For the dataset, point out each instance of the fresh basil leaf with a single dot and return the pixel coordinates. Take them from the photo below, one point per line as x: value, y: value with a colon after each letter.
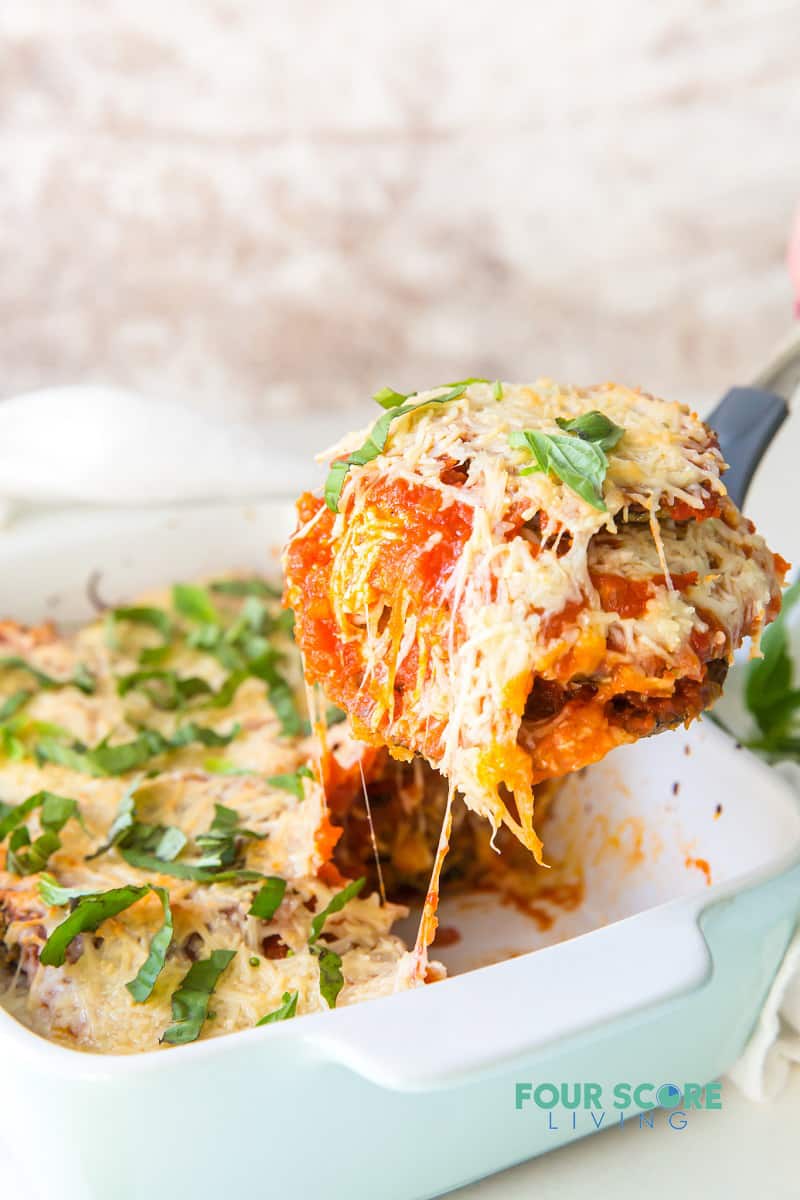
x: 331, y: 979
x: 497, y: 390
x: 194, y: 602
x: 128, y: 756
x: 185, y: 870
x: 190, y: 1001
x: 376, y: 443
x: 14, y: 703
x: 124, y: 819
x: 88, y: 914
x: 388, y: 398
x: 191, y: 732
x: 336, y: 904
x: 595, y: 427
x: 224, y: 766
x: 163, y: 841
x: 268, y: 898
x: 57, y: 896
x: 228, y: 690
x: 246, y: 587
x: 56, y: 811
x: 280, y: 695
x: 82, y: 678
x: 287, y: 1010
x: 16, y: 732
x: 26, y: 857
x: 155, y: 618
x: 165, y: 689
x: 14, y: 663
x: 580, y: 465
x: 141, y: 987
x: 17, y: 814
x: 292, y: 783
x: 219, y: 844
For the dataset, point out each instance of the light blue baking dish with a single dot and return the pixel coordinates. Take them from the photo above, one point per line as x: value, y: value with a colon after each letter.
x: 659, y: 980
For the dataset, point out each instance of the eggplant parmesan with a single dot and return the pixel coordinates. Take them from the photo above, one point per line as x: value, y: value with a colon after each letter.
x: 166, y: 847
x: 512, y: 580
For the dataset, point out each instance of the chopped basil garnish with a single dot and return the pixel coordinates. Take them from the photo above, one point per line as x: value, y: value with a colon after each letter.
x: 194, y: 602
x: 497, y: 390
x: 287, y: 1009
x: 331, y: 979
x: 219, y: 844
x: 292, y: 783
x: 376, y: 443
x: 88, y: 914
x: 124, y: 819
x: 26, y: 857
x: 163, y: 841
x: 141, y: 988
x: 57, y: 896
x: 268, y: 898
x: 155, y: 618
x: 246, y: 587
x: 190, y: 1002
x: 14, y: 703
x: 224, y: 766
x: 164, y: 689
x: 57, y: 806
x: 118, y: 760
x: 336, y: 904
x: 144, y: 861
x: 388, y: 398
x: 580, y: 462
x: 81, y: 679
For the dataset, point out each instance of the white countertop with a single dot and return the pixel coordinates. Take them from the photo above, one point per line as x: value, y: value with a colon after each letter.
x: 730, y: 1154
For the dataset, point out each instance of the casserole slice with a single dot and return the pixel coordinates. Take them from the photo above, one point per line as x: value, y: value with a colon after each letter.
x: 512, y: 580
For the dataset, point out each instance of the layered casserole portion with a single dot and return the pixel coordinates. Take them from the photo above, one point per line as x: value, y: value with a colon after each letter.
x: 512, y: 580
x: 166, y: 848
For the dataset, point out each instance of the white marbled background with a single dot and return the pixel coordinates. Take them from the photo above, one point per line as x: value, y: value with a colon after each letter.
x: 280, y: 207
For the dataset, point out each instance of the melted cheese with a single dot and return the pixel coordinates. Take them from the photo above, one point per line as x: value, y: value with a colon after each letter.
x: 85, y: 1003
x: 515, y: 600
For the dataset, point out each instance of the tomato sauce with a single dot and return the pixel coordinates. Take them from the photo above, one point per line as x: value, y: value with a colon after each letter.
x: 629, y: 597
x: 411, y: 568
x: 679, y: 510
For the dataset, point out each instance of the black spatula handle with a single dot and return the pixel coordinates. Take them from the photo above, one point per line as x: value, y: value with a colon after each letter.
x: 746, y: 420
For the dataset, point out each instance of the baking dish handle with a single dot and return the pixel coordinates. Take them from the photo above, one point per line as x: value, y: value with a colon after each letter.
x: 486, y: 1019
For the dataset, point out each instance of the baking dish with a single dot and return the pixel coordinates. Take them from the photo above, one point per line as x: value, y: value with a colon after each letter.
x: 657, y: 975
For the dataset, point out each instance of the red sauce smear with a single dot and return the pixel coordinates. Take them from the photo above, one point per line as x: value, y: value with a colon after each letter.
x: 702, y: 865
